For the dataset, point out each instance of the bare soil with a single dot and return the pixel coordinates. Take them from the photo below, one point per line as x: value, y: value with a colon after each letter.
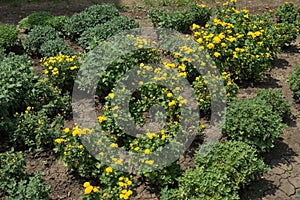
x: 282, y: 182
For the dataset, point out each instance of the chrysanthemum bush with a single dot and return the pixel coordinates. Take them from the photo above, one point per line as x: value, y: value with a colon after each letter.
x: 61, y: 70
x: 287, y: 12
x: 45, y: 41
x: 241, y: 43
x: 253, y: 121
x: 35, y: 130
x: 34, y: 19
x: 16, y: 183
x: 219, y: 174
x: 106, y: 183
x: 180, y: 19
x: 93, y: 36
x: 8, y: 35
x: 89, y: 18
x: 294, y: 82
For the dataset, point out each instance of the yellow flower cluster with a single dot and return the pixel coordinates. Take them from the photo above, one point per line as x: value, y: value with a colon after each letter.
x: 89, y: 188
x: 124, y: 183
x: 28, y: 109
x: 52, y: 62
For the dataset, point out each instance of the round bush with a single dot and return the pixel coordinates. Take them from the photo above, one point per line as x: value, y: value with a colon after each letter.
x: 254, y: 122
x: 35, y: 19
x: 90, y: 17
x: 294, y: 82
x: 8, y: 35
x: 38, y: 36
x: 54, y: 47
x: 93, y: 36
x: 219, y: 174
x: 275, y: 98
x: 58, y: 22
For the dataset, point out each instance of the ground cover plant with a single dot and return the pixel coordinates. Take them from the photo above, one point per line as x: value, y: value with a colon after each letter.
x: 36, y: 104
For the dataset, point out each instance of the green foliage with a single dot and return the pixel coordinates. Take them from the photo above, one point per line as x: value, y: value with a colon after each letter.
x: 35, y: 19
x: 12, y: 166
x: 254, y: 122
x: 89, y: 18
x: 2, y: 53
x: 37, y: 37
x: 8, y: 35
x: 180, y: 19
x: 93, y: 36
x: 15, y: 183
x: 31, y: 187
x: 16, y: 76
x: 219, y: 174
x: 294, y: 82
x: 204, y: 95
x: 54, y: 47
x: 164, y: 177
x: 58, y: 22
x: 287, y: 12
x: 275, y: 98
x: 35, y: 130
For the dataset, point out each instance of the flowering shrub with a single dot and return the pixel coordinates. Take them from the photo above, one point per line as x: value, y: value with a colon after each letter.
x: 89, y: 18
x: 61, y: 70
x: 8, y: 35
x: 254, y: 122
x: 294, y: 82
x: 180, y: 19
x: 35, y: 19
x: 92, y: 37
x: 240, y: 43
x: 113, y: 184
x: 35, y: 129
x: 219, y: 174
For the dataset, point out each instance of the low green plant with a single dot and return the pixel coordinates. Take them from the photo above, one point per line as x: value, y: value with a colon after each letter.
x: 180, y: 19
x: 294, y: 82
x: 8, y: 35
x: 35, y: 130
x: 287, y: 12
x: 93, y: 36
x: 16, y: 183
x: 89, y: 18
x: 276, y: 99
x: 254, y: 122
x: 31, y: 187
x: 164, y: 177
x: 58, y: 22
x: 16, y: 76
x: 2, y: 53
x: 37, y: 37
x: 35, y: 19
x: 219, y: 174
x: 54, y: 47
